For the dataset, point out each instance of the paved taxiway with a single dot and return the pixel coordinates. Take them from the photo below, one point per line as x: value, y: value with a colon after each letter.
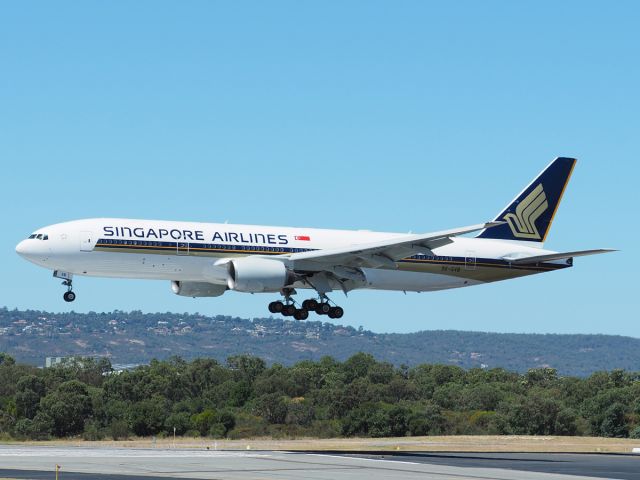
x: 105, y: 463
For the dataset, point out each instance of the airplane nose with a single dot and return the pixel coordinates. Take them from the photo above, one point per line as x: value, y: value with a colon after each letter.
x: 21, y: 248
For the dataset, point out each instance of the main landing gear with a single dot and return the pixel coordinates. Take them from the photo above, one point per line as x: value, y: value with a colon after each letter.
x: 321, y: 307
x: 288, y: 310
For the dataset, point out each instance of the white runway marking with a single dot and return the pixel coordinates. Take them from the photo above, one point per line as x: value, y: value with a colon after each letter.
x: 8, y: 451
x: 345, y: 457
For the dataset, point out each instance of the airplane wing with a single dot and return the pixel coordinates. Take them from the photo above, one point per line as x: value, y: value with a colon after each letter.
x: 556, y: 256
x: 385, y: 252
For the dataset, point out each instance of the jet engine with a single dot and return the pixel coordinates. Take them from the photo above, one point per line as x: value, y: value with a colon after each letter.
x: 254, y: 275
x: 197, y: 289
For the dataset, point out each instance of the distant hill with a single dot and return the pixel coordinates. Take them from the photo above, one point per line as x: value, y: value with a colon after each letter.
x: 135, y: 337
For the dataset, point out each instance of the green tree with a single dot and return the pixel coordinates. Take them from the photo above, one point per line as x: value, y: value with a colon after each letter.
x: 6, y: 359
x: 449, y: 395
x: 29, y: 390
x: 541, y: 377
x: 204, y: 374
x: 230, y: 393
x: 300, y: 413
x: 358, y: 366
x: 276, y: 379
x: 481, y: 397
x: 534, y: 415
x: 212, y: 423
x: 246, y: 367
x: 148, y: 417
x: 181, y: 421
x: 596, y: 409
x: 119, y: 429
x: 203, y: 421
x: 614, y: 423
x: 67, y: 407
x: 372, y: 419
x: 426, y: 420
x: 39, y: 428
x: 272, y: 408
x: 566, y: 422
x: 227, y: 420
x: 399, y: 421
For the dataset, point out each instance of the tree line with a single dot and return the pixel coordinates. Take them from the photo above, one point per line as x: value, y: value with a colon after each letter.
x: 361, y: 396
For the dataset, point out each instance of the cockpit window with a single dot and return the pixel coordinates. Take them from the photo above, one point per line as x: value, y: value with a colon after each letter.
x: 39, y: 236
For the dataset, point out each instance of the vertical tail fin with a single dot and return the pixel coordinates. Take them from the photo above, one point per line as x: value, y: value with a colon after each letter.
x: 528, y: 217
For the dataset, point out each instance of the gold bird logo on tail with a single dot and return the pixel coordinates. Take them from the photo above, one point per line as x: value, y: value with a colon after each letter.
x: 523, y: 222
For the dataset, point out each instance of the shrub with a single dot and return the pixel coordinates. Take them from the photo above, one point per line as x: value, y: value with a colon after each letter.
x: 148, y: 416
x: 37, y: 429
x: 217, y: 430
x: 426, y: 421
x: 566, y: 422
x: 181, y: 421
x: 119, y: 430
x: 614, y: 424
x: 92, y: 432
x: 203, y: 421
x: 272, y: 408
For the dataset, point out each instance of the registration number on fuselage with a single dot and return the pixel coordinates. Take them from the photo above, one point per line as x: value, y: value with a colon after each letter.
x: 447, y: 268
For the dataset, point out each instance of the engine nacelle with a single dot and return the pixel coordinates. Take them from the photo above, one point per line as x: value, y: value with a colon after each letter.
x: 197, y: 289
x: 255, y: 275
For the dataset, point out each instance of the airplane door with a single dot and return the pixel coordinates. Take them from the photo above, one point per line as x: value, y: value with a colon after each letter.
x: 470, y: 260
x: 182, y: 248
x: 86, y: 241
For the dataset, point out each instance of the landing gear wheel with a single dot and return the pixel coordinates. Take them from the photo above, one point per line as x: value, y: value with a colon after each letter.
x: 323, y: 308
x: 288, y: 310
x: 310, y: 304
x: 301, y: 314
x: 69, y: 296
x: 336, y: 312
x: 276, y: 307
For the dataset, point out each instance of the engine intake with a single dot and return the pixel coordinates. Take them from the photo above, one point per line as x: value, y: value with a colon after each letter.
x: 197, y: 289
x: 257, y: 275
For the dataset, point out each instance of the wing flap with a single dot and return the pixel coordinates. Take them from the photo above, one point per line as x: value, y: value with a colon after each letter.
x: 386, y: 252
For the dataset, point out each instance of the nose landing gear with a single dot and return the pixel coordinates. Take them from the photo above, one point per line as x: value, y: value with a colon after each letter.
x: 69, y: 295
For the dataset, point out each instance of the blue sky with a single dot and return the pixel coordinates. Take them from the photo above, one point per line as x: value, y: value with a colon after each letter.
x: 392, y: 116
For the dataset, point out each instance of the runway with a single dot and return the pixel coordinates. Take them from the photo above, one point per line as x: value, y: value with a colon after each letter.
x: 106, y: 463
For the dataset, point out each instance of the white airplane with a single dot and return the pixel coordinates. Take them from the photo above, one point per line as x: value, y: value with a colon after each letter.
x: 207, y: 259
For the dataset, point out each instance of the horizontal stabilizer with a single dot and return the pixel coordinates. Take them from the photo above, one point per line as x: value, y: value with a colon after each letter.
x: 555, y: 256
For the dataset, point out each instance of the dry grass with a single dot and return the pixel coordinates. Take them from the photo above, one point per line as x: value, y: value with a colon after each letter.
x: 417, y: 444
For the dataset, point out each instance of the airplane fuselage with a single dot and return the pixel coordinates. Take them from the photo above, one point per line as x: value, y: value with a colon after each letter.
x: 188, y: 252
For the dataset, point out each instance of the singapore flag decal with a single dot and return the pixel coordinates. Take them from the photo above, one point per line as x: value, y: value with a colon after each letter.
x: 304, y: 238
